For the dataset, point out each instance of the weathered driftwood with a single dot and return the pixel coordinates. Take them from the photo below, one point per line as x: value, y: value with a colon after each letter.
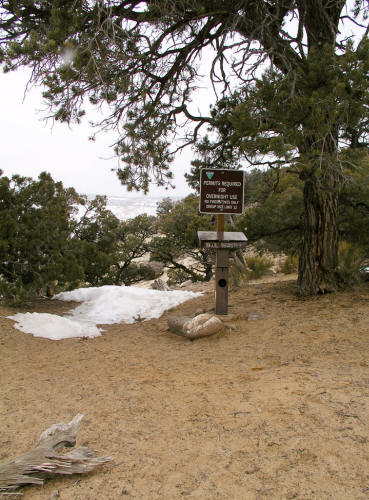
x: 43, y: 460
x: 202, y: 325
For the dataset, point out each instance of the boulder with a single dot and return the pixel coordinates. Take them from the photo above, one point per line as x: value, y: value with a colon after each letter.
x: 202, y: 325
x: 160, y: 285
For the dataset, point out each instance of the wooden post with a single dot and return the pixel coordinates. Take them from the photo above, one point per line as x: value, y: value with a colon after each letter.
x: 220, y: 223
x: 221, y: 282
x: 221, y: 272
x: 222, y: 242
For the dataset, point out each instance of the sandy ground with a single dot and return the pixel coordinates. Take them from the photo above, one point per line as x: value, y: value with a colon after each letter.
x: 273, y: 408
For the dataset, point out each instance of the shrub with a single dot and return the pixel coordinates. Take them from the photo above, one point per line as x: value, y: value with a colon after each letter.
x: 350, y: 261
x: 13, y: 294
x: 289, y: 265
x: 177, y: 276
x: 236, y: 276
x: 257, y: 266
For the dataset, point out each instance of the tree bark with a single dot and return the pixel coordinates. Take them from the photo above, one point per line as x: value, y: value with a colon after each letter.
x: 318, y: 258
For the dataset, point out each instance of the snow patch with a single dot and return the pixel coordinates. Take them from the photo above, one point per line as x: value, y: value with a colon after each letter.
x: 52, y: 326
x: 100, y: 305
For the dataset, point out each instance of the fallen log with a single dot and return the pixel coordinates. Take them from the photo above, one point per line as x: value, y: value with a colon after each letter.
x: 43, y: 460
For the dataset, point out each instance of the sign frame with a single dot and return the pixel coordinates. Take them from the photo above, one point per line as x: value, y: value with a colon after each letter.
x: 219, y: 187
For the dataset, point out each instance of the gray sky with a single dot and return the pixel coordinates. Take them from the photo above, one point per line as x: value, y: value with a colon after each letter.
x: 30, y: 146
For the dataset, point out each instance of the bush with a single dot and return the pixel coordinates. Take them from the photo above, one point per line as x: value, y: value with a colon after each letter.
x: 257, y: 266
x: 236, y: 276
x: 35, y: 236
x: 290, y: 265
x: 13, y: 294
x: 177, y: 276
x: 350, y: 262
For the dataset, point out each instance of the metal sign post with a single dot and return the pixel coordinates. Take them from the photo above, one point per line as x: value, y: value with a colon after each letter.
x: 221, y: 192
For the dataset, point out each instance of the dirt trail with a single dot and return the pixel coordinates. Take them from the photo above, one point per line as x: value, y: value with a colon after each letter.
x: 275, y: 408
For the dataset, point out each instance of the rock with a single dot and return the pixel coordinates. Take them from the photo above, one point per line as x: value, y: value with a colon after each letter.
x: 160, y: 285
x: 186, y: 283
x: 175, y: 324
x: 255, y: 315
x: 156, y: 266
x: 54, y: 495
x: 202, y: 325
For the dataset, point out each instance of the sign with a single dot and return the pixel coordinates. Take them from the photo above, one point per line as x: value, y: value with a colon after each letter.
x: 230, y: 245
x: 221, y: 191
x: 224, y: 240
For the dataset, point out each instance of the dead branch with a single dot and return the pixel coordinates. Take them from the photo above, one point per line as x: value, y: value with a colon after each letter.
x: 43, y: 461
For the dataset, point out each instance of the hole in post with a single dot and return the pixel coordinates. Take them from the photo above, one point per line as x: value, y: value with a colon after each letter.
x: 222, y: 282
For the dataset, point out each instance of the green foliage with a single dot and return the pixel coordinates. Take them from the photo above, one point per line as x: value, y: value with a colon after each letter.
x: 13, y: 292
x: 274, y: 208
x: 45, y: 243
x: 176, y: 276
x: 165, y: 206
x: 289, y: 265
x: 133, y: 242
x: 178, y: 225
x: 350, y: 261
x: 257, y: 266
x: 353, y: 216
x: 236, y: 277
x: 94, y: 241
x: 35, y: 232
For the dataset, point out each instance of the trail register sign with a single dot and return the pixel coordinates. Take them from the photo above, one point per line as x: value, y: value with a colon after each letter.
x: 221, y: 191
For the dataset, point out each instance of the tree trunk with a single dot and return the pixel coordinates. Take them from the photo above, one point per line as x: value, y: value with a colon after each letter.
x: 319, y: 247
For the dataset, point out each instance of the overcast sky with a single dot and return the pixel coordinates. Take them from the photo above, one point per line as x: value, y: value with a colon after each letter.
x: 30, y: 146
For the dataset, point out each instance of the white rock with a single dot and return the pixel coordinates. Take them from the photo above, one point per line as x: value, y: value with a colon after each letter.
x: 202, y: 325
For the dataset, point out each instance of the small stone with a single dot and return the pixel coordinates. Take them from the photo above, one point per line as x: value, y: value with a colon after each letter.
x: 255, y: 315
x: 185, y: 283
x: 231, y: 327
x: 54, y: 495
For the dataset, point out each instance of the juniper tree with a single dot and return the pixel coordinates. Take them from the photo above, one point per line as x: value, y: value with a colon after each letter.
x: 302, y: 80
x: 35, y: 232
x: 178, y: 223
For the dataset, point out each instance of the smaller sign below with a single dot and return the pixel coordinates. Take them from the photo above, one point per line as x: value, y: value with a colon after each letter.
x: 221, y: 191
x: 227, y: 245
x: 225, y: 240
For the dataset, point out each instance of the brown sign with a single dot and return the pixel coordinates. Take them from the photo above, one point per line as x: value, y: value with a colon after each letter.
x: 221, y: 191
